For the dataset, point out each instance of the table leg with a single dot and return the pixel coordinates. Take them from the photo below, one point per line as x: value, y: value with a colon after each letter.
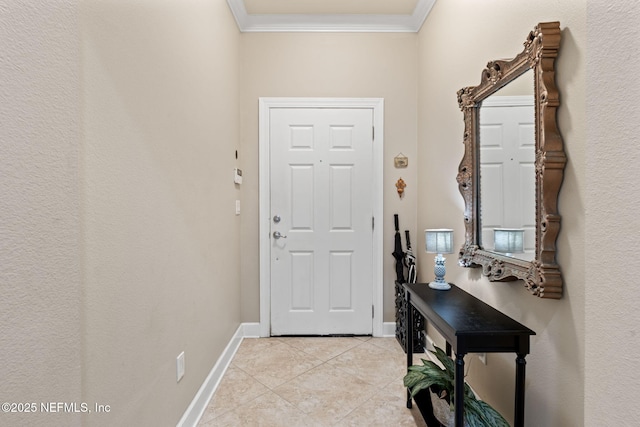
x: 409, y: 339
x: 520, y: 376
x: 459, y: 391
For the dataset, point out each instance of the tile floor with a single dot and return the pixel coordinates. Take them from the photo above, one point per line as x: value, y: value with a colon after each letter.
x: 314, y: 381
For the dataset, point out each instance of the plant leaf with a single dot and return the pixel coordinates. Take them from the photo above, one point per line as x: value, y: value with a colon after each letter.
x: 479, y: 413
x: 412, y: 378
x: 421, y: 377
x: 446, y: 361
x: 468, y: 393
x: 430, y: 374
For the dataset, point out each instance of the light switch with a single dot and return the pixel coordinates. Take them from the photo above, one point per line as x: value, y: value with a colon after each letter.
x: 180, y: 366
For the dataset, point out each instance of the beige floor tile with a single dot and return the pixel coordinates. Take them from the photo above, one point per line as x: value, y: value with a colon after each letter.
x: 324, y: 348
x: 372, y: 364
x: 383, y: 410
x: 309, y: 381
x: 396, y: 388
x: 235, y: 389
x: 390, y: 344
x: 274, y: 364
x: 268, y: 410
x: 250, y: 346
x: 326, y: 393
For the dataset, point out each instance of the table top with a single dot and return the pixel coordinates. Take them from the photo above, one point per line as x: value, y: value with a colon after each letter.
x: 467, y: 323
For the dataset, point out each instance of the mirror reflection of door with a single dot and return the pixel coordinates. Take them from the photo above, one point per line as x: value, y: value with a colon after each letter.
x: 507, y: 169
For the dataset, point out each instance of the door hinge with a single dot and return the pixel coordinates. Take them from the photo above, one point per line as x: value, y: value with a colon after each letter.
x: 373, y: 311
x: 373, y: 222
x: 373, y: 133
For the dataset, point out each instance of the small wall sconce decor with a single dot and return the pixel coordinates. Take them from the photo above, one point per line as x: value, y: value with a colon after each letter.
x: 439, y: 241
x: 400, y: 185
x: 508, y: 241
x: 401, y: 161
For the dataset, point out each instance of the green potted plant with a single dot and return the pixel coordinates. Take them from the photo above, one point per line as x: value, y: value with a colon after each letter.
x: 430, y: 378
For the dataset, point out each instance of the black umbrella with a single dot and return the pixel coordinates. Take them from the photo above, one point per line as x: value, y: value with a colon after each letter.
x: 410, y: 261
x: 398, y: 254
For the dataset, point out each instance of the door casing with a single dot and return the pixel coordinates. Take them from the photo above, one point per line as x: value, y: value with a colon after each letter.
x: 377, y: 106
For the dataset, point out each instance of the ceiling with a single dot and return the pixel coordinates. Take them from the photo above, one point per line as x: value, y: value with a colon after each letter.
x: 330, y: 15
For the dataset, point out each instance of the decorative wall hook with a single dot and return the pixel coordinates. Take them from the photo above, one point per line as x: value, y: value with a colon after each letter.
x: 400, y: 185
x: 401, y: 161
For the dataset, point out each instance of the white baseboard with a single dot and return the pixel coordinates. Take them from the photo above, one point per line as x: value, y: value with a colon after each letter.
x: 429, y: 346
x: 251, y: 330
x: 199, y: 403
x: 389, y: 329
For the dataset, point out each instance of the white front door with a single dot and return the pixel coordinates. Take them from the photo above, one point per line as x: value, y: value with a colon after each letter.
x: 507, y: 166
x: 322, y: 206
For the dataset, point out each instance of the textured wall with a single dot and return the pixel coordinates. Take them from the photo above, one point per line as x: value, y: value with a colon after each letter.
x: 612, y: 204
x: 456, y: 42
x: 331, y: 65
x: 133, y: 225
x: 40, y: 294
x: 160, y: 98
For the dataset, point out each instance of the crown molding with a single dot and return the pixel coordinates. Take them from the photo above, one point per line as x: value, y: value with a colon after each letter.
x: 330, y: 23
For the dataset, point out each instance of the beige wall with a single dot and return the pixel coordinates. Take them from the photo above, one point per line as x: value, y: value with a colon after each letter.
x: 120, y: 244
x: 40, y: 272
x: 330, y: 65
x: 160, y: 236
x: 612, y: 380
x: 161, y: 239
x: 457, y: 40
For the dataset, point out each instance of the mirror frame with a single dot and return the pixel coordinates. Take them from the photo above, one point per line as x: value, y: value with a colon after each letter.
x: 541, y: 276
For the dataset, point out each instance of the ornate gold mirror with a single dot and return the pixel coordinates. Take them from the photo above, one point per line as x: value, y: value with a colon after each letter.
x: 510, y: 178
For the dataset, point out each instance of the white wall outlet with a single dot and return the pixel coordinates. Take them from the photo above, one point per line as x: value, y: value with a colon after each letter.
x: 180, y: 367
x: 237, y: 207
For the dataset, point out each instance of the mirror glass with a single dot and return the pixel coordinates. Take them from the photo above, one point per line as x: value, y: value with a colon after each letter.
x: 507, y: 165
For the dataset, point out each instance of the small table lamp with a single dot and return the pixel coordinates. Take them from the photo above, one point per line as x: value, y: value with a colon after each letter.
x: 508, y: 241
x: 439, y: 241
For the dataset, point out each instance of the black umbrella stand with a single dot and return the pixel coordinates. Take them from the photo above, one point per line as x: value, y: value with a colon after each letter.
x: 398, y: 254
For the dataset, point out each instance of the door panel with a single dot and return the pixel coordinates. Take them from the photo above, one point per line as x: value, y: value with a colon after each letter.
x: 320, y: 185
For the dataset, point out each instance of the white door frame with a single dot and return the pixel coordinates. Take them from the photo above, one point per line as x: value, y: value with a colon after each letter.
x: 265, y: 104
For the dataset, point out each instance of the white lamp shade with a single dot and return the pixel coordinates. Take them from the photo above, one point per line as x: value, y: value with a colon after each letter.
x: 439, y: 240
x: 508, y: 240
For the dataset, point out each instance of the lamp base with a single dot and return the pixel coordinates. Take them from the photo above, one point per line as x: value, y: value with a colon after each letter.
x: 440, y: 286
x: 439, y: 270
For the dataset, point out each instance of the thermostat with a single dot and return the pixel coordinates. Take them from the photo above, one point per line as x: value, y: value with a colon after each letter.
x: 237, y: 176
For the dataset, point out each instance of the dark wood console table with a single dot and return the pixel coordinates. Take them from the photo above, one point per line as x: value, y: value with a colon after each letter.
x: 401, y: 318
x: 469, y: 326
